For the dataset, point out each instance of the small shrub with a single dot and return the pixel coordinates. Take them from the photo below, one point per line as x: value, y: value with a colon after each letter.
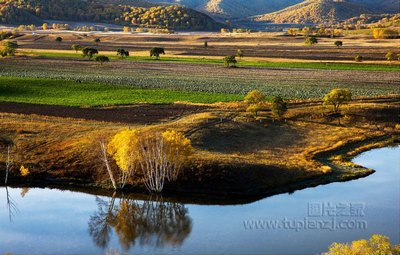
x: 76, y: 47
x: 24, y: 171
x: 59, y: 39
x: 279, y: 107
x: 390, y: 56
x: 240, y: 53
x: 358, y: 58
x: 338, y: 44
x: 311, y: 40
x: 254, y: 97
x: 102, y: 59
x: 230, y: 61
x: 9, y: 48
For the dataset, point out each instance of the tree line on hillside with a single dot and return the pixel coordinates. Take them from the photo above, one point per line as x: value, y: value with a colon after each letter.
x: 32, y: 11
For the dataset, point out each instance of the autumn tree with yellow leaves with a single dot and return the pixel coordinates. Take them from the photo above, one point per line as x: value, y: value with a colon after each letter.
x: 376, y: 245
x: 156, y: 157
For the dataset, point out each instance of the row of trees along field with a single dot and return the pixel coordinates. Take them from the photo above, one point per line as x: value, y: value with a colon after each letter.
x: 256, y: 102
x: 32, y: 11
x: 377, y: 33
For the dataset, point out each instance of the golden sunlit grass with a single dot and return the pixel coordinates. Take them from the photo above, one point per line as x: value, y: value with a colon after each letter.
x: 228, y: 143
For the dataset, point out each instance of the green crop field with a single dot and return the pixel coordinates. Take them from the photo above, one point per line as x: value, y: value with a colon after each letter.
x: 214, y: 79
x: 69, y: 93
x: 243, y: 62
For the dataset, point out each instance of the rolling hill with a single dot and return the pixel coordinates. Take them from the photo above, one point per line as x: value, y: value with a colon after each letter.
x: 321, y: 11
x: 233, y: 8
x: 123, y: 12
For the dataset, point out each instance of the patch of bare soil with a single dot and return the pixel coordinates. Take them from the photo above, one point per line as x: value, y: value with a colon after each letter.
x: 136, y: 114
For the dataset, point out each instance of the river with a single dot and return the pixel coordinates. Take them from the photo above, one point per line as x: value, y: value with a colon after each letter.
x: 51, y: 221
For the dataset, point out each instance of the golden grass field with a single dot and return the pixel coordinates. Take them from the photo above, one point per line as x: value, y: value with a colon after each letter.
x: 232, y: 149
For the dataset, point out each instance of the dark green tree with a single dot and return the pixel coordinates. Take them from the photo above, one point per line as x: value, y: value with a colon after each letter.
x: 89, y: 52
x: 338, y: 44
x: 102, y: 59
x: 156, y: 52
x: 59, y: 39
x: 122, y: 53
x: 311, y: 40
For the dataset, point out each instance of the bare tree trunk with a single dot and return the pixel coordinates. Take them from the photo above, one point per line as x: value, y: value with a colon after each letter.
x: 107, y: 163
x: 153, y: 163
x: 8, y: 163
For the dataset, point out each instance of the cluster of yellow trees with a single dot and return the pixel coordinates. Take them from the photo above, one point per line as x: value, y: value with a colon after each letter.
x: 309, y: 31
x: 384, y: 33
x: 377, y: 33
x: 156, y: 157
x: 46, y: 26
x: 255, y: 100
x: 256, y: 103
x: 376, y: 245
x: 127, y: 29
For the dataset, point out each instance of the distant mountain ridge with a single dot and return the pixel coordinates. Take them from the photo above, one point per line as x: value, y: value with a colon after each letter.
x: 232, y: 8
x: 191, y: 14
x: 288, y: 11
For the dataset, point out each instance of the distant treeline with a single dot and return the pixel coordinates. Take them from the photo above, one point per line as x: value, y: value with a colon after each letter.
x: 35, y: 11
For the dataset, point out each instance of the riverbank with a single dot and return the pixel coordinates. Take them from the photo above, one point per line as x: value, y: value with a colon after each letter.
x: 235, y: 155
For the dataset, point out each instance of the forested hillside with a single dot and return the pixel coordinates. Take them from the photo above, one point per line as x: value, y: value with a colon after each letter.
x: 381, y: 6
x: 233, y: 8
x: 35, y: 11
x: 315, y: 11
x: 322, y: 11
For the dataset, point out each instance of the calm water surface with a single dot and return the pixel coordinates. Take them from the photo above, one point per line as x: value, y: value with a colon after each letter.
x: 44, y: 221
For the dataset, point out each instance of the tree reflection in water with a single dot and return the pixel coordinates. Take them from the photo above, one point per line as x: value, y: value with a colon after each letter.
x: 11, y: 205
x: 149, y: 223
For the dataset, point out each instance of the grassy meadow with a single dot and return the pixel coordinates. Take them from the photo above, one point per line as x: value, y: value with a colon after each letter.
x: 70, y: 93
